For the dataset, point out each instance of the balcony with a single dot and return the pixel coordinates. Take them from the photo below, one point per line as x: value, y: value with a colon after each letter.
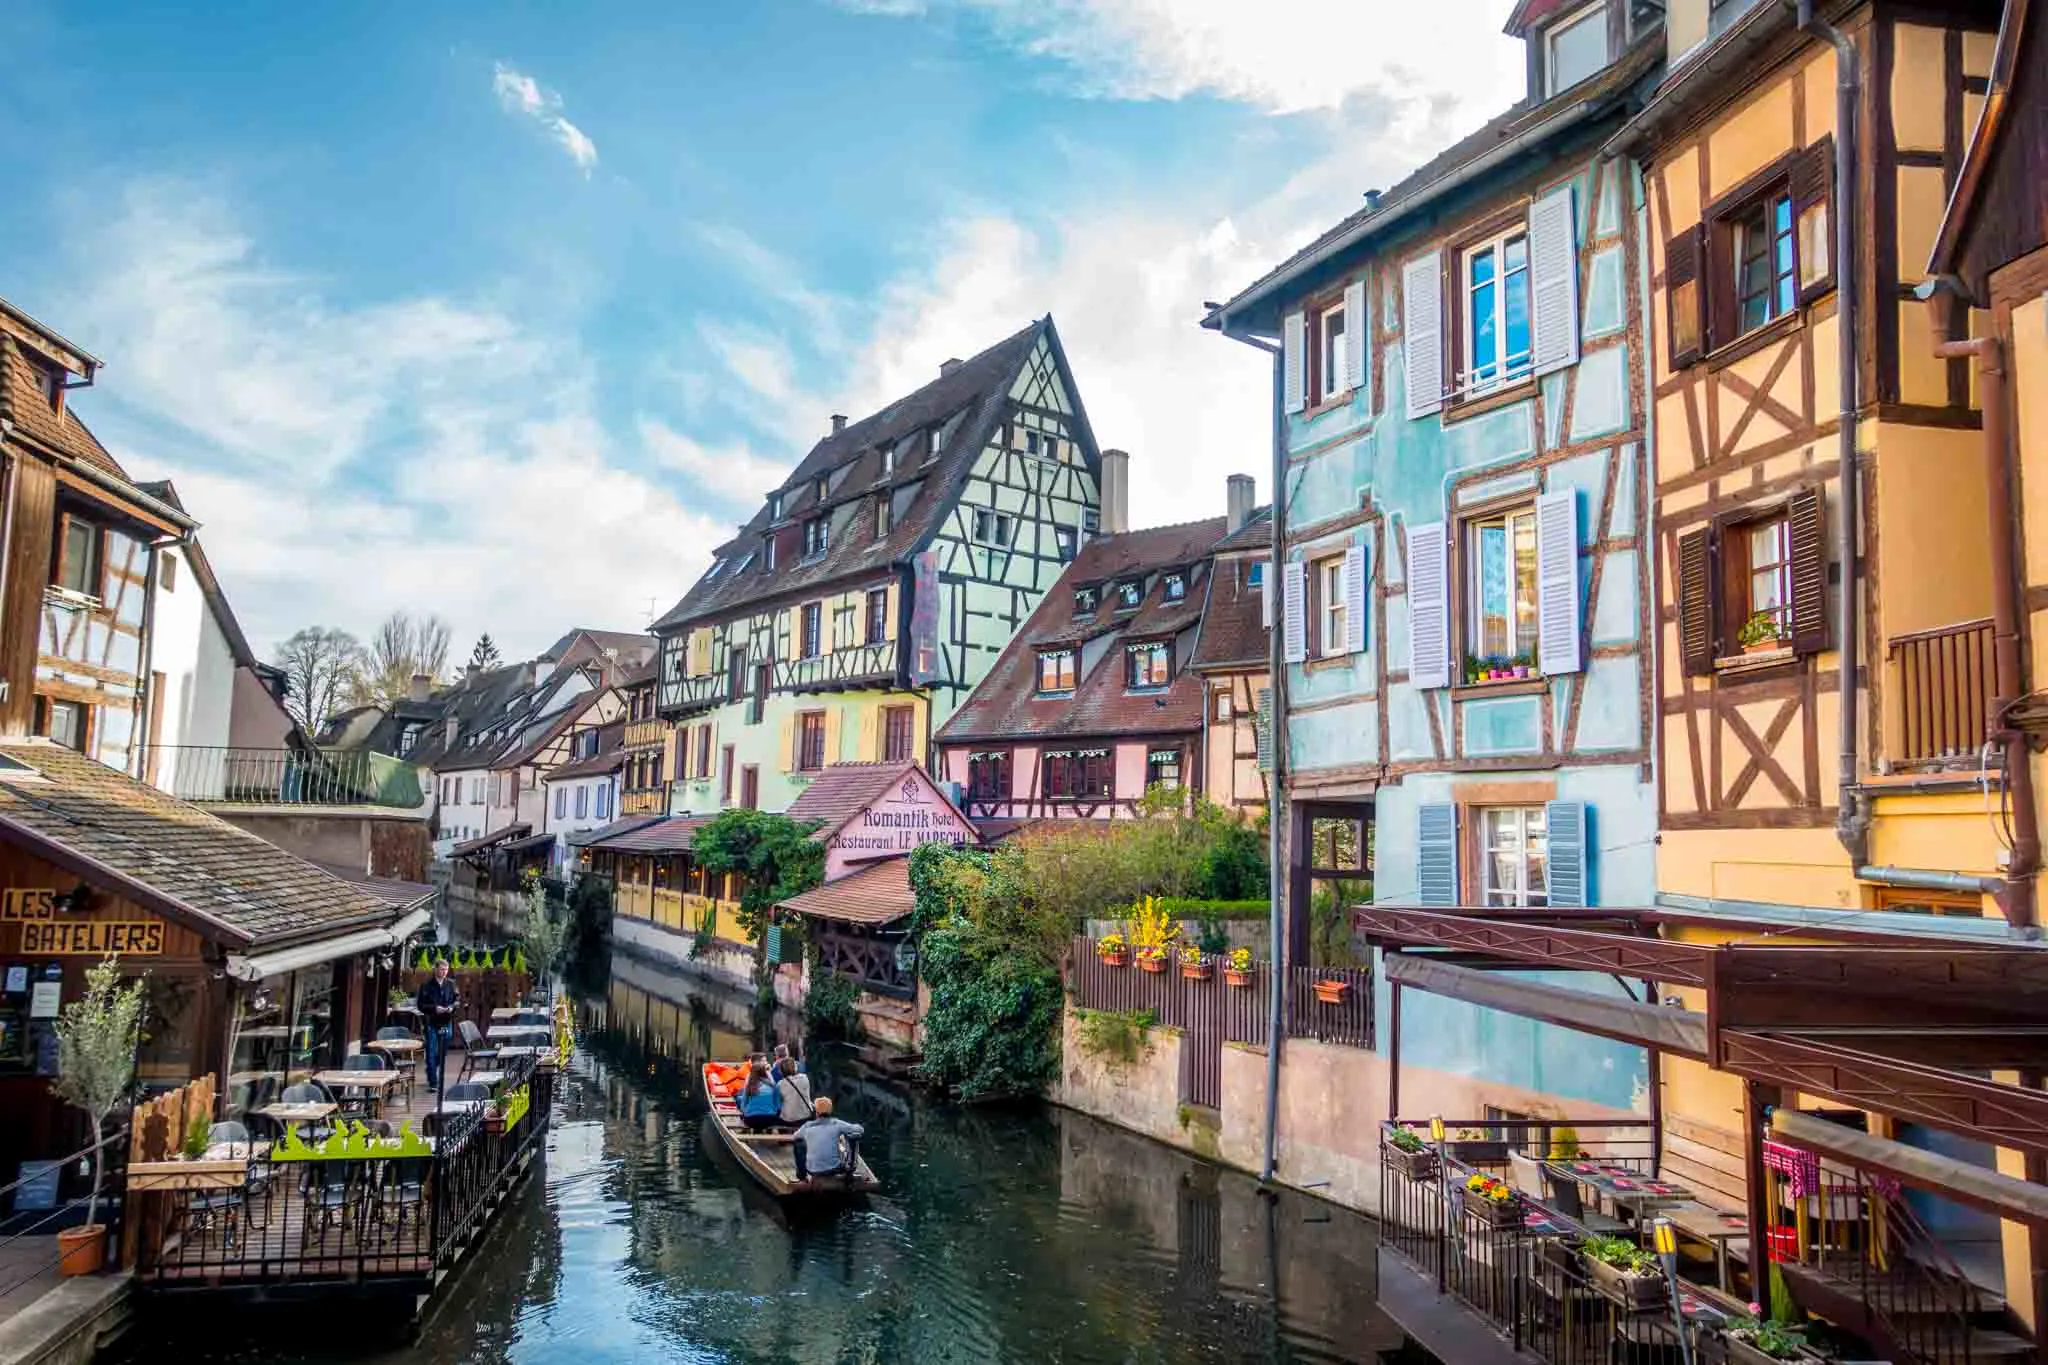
x: 283, y: 777
x: 1942, y: 682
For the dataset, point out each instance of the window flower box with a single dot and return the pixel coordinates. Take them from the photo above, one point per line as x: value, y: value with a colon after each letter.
x: 1493, y: 1202
x: 1332, y: 992
x: 1195, y: 967
x: 1418, y: 1164
x: 1637, y: 1292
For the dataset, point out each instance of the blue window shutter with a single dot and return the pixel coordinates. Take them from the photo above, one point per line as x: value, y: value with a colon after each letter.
x: 1570, y: 872
x: 1436, y: 860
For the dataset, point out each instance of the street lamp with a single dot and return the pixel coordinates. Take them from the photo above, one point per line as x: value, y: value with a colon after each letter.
x: 1443, y: 1180
x: 1665, y: 1238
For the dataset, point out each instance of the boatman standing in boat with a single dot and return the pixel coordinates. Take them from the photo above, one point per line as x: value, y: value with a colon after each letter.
x: 819, y: 1151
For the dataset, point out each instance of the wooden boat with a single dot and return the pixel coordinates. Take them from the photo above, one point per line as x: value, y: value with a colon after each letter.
x: 770, y: 1158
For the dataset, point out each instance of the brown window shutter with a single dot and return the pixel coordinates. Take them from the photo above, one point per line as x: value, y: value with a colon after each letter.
x: 1813, y: 187
x: 1696, y: 601
x: 1683, y: 297
x: 1717, y: 284
x: 1804, y: 513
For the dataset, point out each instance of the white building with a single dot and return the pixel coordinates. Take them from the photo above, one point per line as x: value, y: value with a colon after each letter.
x: 583, y: 793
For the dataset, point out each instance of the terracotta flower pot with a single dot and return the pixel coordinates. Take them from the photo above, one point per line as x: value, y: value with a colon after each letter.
x: 1196, y: 971
x: 1113, y: 957
x: 1332, y: 992
x: 1761, y: 647
x: 1154, y: 965
x: 81, y: 1251
x: 1239, y: 979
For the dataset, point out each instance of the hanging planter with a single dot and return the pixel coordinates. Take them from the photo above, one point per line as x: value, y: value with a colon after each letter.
x: 1242, y: 980
x: 1111, y: 952
x: 1195, y: 967
x: 1332, y: 992
x: 1152, y: 960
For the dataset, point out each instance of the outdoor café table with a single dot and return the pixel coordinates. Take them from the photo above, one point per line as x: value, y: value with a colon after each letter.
x: 1714, y: 1227
x: 514, y: 1032
x: 1621, y: 1186
x: 397, y: 1047
x: 504, y: 1012
x: 511, y: 1050
x: 375, y: 1082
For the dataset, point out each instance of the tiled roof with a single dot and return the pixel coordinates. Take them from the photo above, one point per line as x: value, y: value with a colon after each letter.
x: 1007, y: 704
x: 170, y: 855
x: 629, y: 645
x: 877, y: 894
x: 672, y: 834
x: 844, y: 790
x: 476, y: 697
x: 609, y: 756
x: 594, y: 838
x: 23, y: 402
x: 1255, y: 534
x: 484, y: 841
x: 963, y: 404
x: 1233, y: 625
x: 398, y: 894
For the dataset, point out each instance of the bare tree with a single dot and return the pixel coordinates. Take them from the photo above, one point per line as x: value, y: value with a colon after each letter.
x: 402, y: 646
x: 322, y: 665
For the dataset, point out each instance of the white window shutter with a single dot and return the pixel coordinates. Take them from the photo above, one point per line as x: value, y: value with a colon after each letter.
x: 1293, y: 373
x: 1354, y: 335
x: 1554, y: 281
x: 1429, y: 635
x: 1294, y: 608
x: 1422, y: 326
x: 1436, y: 854
x: 1557, y: 582
x: 1354, y: 600
x: 1266, y: 598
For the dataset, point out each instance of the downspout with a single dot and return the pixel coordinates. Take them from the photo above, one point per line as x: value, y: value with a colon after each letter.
x: 1852, y: 819
x: 6, y: 530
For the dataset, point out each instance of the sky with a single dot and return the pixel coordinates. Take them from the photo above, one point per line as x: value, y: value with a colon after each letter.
x: 512, y: 311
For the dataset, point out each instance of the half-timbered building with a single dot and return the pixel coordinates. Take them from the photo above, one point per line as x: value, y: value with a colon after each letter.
x: 877, y: 585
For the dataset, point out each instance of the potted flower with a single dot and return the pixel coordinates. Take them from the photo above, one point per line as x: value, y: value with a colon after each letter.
x: 1193, y: 965
x: 1524, y: 666
x: 1152, y: 957
x: 1624, y: 1271
x: 1493, y: 1200
x: 96, y: 1039
x: 1406, y: 1152
x: 1752, y: 1339
x: 1237, y: 968
x: 1112, y: 951
x: 1332, y: 992
x: 1759, y: 634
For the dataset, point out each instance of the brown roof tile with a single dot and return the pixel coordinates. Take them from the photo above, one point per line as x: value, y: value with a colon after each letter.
x: 1233, y: 624
x: 671, y: 834
x: 23, y: 402
x: 877, y: 894
x: 844, y: 790
x: 172, y: 855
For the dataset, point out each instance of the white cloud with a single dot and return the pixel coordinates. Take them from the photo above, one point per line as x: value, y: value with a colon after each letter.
x: 732, y: 472
x: 521, y: 94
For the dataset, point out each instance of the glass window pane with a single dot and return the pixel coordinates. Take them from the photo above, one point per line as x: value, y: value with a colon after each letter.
x: 1516, y: 299
x: 1578, y: 50
x: 1485, y: 330
x: 1525, y: 582
x: 1493, y: 590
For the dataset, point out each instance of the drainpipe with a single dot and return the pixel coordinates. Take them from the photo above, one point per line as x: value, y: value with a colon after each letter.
x: 6, y: 528
x: 1852, y: 819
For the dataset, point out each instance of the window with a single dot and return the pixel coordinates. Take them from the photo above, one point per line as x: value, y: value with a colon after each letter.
x: 65, y: 722
x: 1077, y: 774
x: 934, y: 439
x: 810, y: 741
x: 561, y: 803
x: 1929, y: 903
x: 1759, y: 254
x: 1084, y: 601
x: 878, y: 615
x: 768, y: 555
x: 888, y: 461
x: 1162, y: 769
x: 1221, y: 708
x: 1091, y: 521
x: 1499, y: 573
x: 1255, y: 573
x: 1495, y: 337
x: 458, y: 791
x: 703, y: 751
x: 1030, y: 443
x: 775, y: 506
x: 823, y: 488
x: 78, y: 563
x: 1766, y: 564
x: 1723, y: 13
x: 759, y: 700
x: 1129, y: 593
x: 1332, y: 607
x: 1761, y: 242
x: 725, y: 760
x: 898, y: 733
x: 1575, y: 48
x: 582, y: 801
x: 1176, y: 586
x: 735, y: 673
x: 1147, y: 665
x: 750, y: 787
x: 407, y: 738
x: 1514, y: 855
x: 1326, y: 345
x: 885, y: 519
x: 817, y: 536
x: 992, y: 528
x: 1759, y: 562
x: 988, y: 776
x: 807, y: 645
x: 1052, y: 448
x: 604, y: 800
x: 1055, y: 671
x: 167, y: 573
x: 1065, y: 540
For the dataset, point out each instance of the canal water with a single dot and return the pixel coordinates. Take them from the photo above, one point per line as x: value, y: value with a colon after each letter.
x: 1014, y: 1233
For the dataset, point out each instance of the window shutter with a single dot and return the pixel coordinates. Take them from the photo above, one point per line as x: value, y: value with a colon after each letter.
x: 1293, y: 373
x: 1567, y: 872
x: 1557, y: 582
x: 1354, y: 335
x: 1422, y: 349
x: 1696, y: 631
x: 1262, y: 725
x: 868, y: 751
x: 1554, y: 281
x: 1813, y: 190
x: 1684, y: 289
x: 789, y: 763
x: 1806, y: 516
x: 1354, y: 600
x: 1266, y: 597
x: 1717, y: 285
x: 889, y: 615
x: 1429, y: 642
x: 1294, y: 608
x: 1436, y: 855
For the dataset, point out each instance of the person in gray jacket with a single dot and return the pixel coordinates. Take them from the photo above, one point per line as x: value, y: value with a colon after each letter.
x: 820, y: 1150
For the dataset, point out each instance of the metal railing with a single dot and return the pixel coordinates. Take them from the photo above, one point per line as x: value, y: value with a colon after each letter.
x: 1944, y: 680
x: 20, y: 1269
x: 282, y: 777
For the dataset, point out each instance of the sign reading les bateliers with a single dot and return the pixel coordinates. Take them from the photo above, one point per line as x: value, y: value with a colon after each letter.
x: 47, y: 933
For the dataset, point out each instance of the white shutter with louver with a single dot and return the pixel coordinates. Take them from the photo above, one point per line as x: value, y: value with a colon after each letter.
x: 1436, y: 855
x: 1293, y: 352
x: 1557, y: 582
x: 1422, y: 347
x: 1429, y: 640
x: 1354, y: 600
x: 1554, y: 281
x: 1294, y: 611
x: 1354, y: 335
x: 1266, y: 598
x: 1263, y: 723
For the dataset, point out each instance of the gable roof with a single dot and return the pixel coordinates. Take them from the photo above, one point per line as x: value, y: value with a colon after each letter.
x: 962, y: 405
x: 879, y: 893
x: 1255, y: 534
x: 1007, y: 702
x: 1234, y: 633
x: 844, y: 790
x: 2011, y: 118
x: 170, y: 856
x: 479, y: 698
x: 610, y: 756
x: 662, y: 834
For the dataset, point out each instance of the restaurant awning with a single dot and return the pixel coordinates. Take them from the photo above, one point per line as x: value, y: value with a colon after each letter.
x: 256, y: 966
x: 1673, y: 1030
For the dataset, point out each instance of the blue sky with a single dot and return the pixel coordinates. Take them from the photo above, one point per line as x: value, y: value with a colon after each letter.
x: 511, y: 311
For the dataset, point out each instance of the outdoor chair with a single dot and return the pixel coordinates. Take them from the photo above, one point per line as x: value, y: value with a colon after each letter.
x: 465, y: 1092
x: 408, y: 1067
x: 474, y: 1049
x: 330, y: 1196
x: 309, y: 1092
x: 206, y: 1209
x: 398, y: 1185
x: 358, y: 1102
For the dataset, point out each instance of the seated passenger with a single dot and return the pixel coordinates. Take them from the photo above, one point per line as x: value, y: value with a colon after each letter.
x: 786, y: 1063
x: 760, y: 1106
x: 827, y: 1146
x: 794, y: 1089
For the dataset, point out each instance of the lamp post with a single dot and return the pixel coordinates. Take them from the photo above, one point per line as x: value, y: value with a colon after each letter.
x: 1665, y: 1239
x: 1443, y: 1180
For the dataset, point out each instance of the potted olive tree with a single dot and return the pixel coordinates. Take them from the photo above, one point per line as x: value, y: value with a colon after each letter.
x: 96, y: 1040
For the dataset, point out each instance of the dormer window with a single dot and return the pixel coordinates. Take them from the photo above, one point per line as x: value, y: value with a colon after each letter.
x: 775, y: 506
x: 824, y: 489
x: 1056, y: 671
x: 885, y: 521
x: 1129, y: 593
x: 712, y: 572
x: 1176, y: 586
x: 933, y: 439
x: 1574, y: 48
x: 1148, y: 666
x: 1085, y: 600
x: 888, y: 461
x: 768, y: 552
x: 817, y: 537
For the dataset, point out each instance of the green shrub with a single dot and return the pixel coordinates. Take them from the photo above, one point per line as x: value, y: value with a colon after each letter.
x: 828, y: 1007
x: 1117, y: 1036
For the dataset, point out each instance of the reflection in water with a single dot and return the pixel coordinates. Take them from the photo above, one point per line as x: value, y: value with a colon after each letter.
x: 1003, y: 1234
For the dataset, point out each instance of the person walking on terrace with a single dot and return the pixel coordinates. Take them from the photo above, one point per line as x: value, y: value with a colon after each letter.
x: 437, y: 1001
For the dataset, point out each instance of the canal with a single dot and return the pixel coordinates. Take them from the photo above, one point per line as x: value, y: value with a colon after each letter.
x: 1016, y: 1233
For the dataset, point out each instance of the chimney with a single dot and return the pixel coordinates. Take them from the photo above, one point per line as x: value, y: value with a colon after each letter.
x: 947, y: 367
x: 838, y: 422
x: 1238, y: 492
x: 1372, y: 200
x: 420, y: 688
x: 1116, y: 492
